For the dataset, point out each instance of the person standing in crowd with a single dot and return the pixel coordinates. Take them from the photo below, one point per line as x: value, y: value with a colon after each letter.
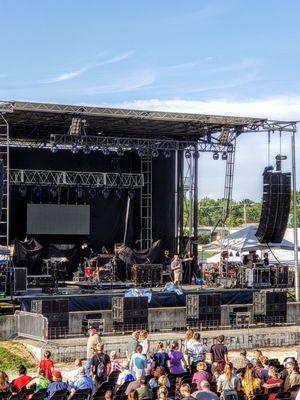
x: 134, y: 384
x: 228, y: 383
x: 74, y: 374
x: 114, y: 362
x: 219, y: 351
x: 100, y: 364
x: 162, y: 393
x: 138, y: 361
x: 47, y: 365
x: 161, y: 357
x: 205, y: 393
x: 92, y: 342
x: 132, y: 344
x: 201, y: 375
x: 187, y: 337
x: 251, y: 383
x: 57, y: 385
x: 39, y: 382
x: 22, y: 380
x: 144, y: 342
x: 264, y: 373
x: 196, y: 351
x: 176, y: 362
x: 256, y: 356
x: 133, y: 395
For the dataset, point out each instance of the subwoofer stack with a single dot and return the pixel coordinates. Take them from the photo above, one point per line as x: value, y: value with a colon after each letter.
x: 203, y: 310
x: 270, y: 306
x: 129, y: 313
x: 57, y: 313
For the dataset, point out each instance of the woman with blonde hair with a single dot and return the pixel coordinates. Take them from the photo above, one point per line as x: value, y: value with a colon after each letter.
x: 201, y: 375
x: 257, y: 354
x: 133, y: 395
x: 228, y: 383
x: 251, y: 383
x: 144, y: 342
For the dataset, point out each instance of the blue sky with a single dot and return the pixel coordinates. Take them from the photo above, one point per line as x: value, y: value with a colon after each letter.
x: 230, y: 57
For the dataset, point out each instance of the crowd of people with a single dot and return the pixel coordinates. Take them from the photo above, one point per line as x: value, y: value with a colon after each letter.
x: 189, y: 372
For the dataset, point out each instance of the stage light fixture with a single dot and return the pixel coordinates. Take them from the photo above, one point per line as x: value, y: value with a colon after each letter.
x: 215, y: 155
x: 224, y: 137
x: 79, y: 193
x: 224, y: 155
x: 54, y: 192
x: 196, y: 154
x: 23, y: 191
x: 131, y: 193
x: 54, y: 148
x: 75, y: 149
x: 92, y: 192
x: 188, y: 154
x: 120, y: 151
x: 119, y: 193
x: 155, y: 153
x: 87, y: 149
x: 105, y: 151
x: 37, y: 191
x: 167, y: 154
x: 105, y: 193
x: 75, y: 127
x: 141, y: 152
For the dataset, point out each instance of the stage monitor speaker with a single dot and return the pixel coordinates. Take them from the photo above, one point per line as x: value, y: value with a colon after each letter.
x: 275, y: 207
x: 20, y: 280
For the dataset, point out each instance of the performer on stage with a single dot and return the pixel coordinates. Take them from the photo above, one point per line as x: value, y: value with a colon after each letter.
x: 167, y: 261
x: 176, y: 267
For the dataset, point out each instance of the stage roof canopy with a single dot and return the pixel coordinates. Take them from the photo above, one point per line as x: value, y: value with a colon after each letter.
x: 44, y: 119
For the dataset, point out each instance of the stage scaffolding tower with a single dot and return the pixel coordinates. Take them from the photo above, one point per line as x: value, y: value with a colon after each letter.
x: 4, y: 156
x: 146, y: 202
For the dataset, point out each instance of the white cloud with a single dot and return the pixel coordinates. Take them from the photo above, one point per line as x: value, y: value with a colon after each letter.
x: 283, y: 107
x: 74, y: 74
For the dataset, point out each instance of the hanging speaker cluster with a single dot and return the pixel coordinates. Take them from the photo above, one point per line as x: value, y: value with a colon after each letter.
x: 275, y: 207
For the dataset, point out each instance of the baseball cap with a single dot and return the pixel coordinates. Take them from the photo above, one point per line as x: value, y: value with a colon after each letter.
x: 56, y: 374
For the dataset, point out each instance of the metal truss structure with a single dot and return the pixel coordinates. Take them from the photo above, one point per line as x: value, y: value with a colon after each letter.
x: 75, y: 179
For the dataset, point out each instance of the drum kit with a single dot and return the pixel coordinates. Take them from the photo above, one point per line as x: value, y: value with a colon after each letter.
x: 94, y: 270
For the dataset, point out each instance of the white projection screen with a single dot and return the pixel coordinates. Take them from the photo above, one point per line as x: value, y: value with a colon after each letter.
x: 58, y: 219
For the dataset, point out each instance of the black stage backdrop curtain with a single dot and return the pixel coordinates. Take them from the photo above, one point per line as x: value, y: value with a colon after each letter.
x: 107, y: 215
x: 153, y: 255
x: 29, y: 254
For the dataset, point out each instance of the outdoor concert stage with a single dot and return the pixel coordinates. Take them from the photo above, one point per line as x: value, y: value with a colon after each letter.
x: 85, y: 300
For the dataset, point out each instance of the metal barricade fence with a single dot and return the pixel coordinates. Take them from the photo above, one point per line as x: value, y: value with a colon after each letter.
x: 31, y: 325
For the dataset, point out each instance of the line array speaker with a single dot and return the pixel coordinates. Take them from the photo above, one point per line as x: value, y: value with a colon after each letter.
x: 275, y: 207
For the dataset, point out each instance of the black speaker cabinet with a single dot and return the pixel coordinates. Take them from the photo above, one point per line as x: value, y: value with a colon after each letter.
x: 203, y: 309
x: 270, y: 306
x: 130, y: 313
x: 20, y: 280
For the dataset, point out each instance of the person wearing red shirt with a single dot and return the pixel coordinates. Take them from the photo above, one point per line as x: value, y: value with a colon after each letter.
x: 22, y: 380
x: 47, y: 365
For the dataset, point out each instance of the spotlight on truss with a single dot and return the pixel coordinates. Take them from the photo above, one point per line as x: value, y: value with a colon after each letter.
x: 120, y: 151
x: 23, y: 191
x: 167, y: 154
x: 87, y: 149
x: 75, y: 149
x: 224, y: 155
x: 105, y: 151
x: 79, y: 193
x: 131, y: 193
x: 37, y: 191
x: 155, y: 153
x: 188, y: 154
x: 92, y: 192
x: 105, y: 193
x: 54, y: 148
x: 215, y: 155
x: 196, y: 154
x: 54, y: 192
x: 141, y: 152
x: 119, y: 193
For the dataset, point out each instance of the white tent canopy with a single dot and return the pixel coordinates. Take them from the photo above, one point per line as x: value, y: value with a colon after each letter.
x: 245, y: 240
